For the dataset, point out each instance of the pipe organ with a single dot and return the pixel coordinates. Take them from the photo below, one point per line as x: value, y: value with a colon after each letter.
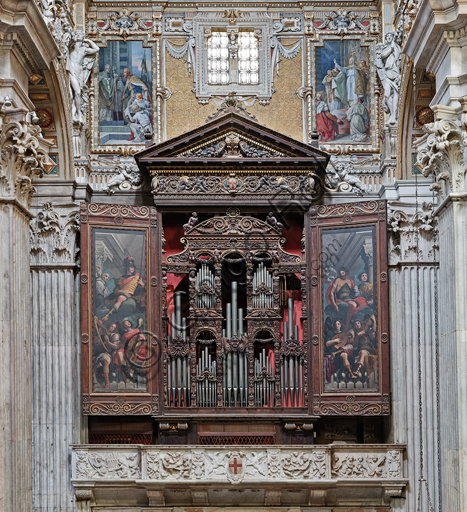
x: 230, y: 341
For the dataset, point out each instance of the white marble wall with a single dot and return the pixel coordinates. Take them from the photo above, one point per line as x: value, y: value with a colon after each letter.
x: 55, y: 361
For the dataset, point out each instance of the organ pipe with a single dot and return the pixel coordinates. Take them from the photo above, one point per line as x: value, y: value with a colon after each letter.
x: 262, y: 278
x: 292, y: 380
x: 204, y: 277
x: 178, y: 373
x: 235, y: 364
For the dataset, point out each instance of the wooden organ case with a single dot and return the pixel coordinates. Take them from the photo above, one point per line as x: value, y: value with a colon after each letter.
x: 237, y: 325
x: 233, y: 350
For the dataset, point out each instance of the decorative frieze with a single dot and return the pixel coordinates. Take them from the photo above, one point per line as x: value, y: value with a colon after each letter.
x: 194, y: 465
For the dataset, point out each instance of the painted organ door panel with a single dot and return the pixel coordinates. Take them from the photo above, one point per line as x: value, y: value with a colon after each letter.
x: 119, y: 341
x: 350, y: 331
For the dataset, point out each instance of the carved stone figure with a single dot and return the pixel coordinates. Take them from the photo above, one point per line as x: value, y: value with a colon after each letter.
x: 388, y: 64
x: 343, y: 171
x: 128, y: 175
x: 79, y: 64
x: 339, y: 177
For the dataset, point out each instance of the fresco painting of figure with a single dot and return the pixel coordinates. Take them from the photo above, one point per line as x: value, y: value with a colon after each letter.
x: 350, y: 321
x: 119, y: 348
x: 125, y: 93
x: 343, y: 96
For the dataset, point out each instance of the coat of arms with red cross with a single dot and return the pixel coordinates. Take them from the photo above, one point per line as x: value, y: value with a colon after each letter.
x: 235, y: 465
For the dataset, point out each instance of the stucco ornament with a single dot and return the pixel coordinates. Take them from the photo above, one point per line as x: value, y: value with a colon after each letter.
x: 187, y: 50
x: 388, y: 65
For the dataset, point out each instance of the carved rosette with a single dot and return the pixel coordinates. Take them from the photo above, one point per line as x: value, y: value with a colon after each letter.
x: 23, y: 156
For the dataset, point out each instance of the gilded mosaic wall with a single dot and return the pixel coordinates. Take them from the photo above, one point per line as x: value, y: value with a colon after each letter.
x: 284, y: 113
x: 183, y: 112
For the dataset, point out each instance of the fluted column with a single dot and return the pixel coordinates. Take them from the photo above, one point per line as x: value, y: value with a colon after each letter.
x: 55, y: 357
x: 23, y: 154
x: 414, y: 351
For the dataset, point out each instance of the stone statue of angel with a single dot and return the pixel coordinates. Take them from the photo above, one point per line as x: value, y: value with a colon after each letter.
x: 80, y: 61
x: 388, y: 66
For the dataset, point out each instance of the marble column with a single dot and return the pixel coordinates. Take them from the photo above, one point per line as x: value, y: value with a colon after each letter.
x: 413, y: 286
x: 442, y: 153
x: 23, y: 154
x: 55, y: 354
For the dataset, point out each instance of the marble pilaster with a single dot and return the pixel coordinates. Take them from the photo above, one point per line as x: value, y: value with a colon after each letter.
x: 23, y: 155
x: 413, y: 286
x: 442, y: 152
x: 55, y: 356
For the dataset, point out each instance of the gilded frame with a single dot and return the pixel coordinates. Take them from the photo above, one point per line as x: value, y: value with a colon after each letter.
x: 365, y: 40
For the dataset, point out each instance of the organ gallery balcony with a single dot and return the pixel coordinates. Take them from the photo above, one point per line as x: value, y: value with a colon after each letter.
x: 320, y: 475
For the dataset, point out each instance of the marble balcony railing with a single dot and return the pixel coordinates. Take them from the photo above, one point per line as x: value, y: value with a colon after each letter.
x: 179, y: 475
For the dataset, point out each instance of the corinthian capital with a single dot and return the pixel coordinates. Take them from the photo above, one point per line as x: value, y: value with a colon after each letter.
x: 53, y: 237
x: 442, y: 151
x: 23, y: 155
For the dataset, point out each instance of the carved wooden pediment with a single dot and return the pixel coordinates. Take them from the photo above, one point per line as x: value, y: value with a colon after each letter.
x: 233, y: 154
x: 230, y: 136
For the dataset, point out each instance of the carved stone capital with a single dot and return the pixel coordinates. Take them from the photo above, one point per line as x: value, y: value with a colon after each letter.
x: 412, y: 231
x: 24, y: 154
x: 53, y: 237
x: 442, y: 150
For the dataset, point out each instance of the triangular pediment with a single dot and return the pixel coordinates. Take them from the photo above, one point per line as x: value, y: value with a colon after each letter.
x: 233, y: 155
x: 230, y: 137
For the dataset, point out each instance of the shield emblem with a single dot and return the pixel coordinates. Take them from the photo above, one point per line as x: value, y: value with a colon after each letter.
x: 235, y: 468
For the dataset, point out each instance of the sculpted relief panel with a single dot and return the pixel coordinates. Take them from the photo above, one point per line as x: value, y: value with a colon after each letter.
x: 199, y: 465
